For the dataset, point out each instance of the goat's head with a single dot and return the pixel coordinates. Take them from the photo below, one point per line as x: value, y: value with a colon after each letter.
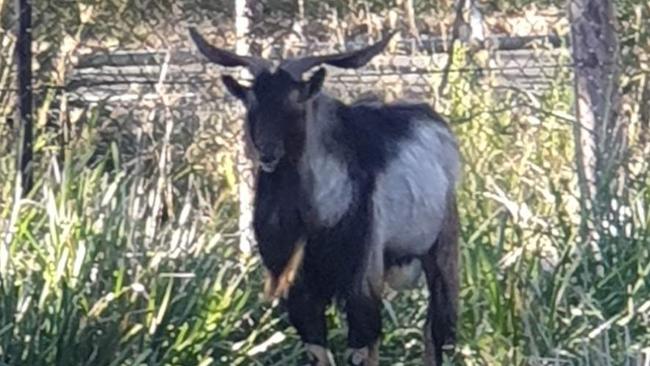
x: 276, y: 103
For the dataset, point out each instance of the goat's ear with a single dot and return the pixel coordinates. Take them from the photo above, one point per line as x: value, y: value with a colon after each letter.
x: 312, y: 86
x: 234, y: 88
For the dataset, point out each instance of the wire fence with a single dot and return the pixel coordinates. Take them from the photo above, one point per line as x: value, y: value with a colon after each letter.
x: 113, y: 53
x: 119, y: 57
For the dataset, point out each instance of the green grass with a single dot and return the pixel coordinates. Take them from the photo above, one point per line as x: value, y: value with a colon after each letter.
x: 92, y: 272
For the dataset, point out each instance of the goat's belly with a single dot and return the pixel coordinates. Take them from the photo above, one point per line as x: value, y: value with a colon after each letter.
x: 409, y: 204
x: 408, y: 218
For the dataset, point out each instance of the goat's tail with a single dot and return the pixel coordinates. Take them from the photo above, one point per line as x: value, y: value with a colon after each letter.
x: 441, y: 268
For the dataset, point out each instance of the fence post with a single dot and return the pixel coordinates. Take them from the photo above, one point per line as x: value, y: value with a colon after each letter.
x: 24, y: 65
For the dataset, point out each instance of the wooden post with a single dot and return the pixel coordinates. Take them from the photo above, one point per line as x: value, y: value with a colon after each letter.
x: 24, y: 65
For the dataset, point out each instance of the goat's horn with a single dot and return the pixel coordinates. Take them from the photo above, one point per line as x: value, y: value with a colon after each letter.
x: 227, y: 58
x: 346, y: 60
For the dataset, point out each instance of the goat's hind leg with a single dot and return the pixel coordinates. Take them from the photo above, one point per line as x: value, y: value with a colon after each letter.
x: 441, y: 268
x: 307, y: 314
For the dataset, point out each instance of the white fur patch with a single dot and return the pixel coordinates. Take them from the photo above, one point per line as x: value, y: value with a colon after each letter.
x: 410, y: 195
x: 325, y: 176
x: 331, y: 189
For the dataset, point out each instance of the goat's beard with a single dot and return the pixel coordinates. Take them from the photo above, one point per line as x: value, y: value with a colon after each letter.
x: 278, y: 286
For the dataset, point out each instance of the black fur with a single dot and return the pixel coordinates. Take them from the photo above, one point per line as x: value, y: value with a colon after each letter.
x: 364, y: 320
x: 373, y: 132
x: 273, y: 119
x: 441, y: 269
x: 306, y: 309
x: 367, y: 138
x: 277, y: 222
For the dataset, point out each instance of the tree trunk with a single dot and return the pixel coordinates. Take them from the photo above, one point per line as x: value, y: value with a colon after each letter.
x: 599, y: 134
x: 245, y: 169
x: 24, y: 60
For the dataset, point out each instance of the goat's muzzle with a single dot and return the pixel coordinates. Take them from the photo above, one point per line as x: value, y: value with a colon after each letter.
x: 269, y: 156
x: 269, y: 163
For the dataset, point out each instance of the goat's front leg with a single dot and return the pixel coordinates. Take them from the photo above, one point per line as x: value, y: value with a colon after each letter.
x: 363, y: 308
x: 364, y: 323
x: 307, y: 314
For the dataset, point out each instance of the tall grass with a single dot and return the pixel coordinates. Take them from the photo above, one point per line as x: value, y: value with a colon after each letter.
x: 99, y: 272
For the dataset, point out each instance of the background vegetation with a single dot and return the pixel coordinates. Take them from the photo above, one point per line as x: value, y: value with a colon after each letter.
x: 125, y: 251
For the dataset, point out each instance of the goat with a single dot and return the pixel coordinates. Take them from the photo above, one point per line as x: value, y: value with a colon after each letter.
x: 348, y: 196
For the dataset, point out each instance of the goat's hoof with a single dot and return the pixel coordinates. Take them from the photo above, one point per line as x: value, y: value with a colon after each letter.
x: 363, y: 357
x: 319, y: 356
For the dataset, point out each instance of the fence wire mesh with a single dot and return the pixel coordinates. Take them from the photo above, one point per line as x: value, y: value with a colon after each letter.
x: 121, y: 55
